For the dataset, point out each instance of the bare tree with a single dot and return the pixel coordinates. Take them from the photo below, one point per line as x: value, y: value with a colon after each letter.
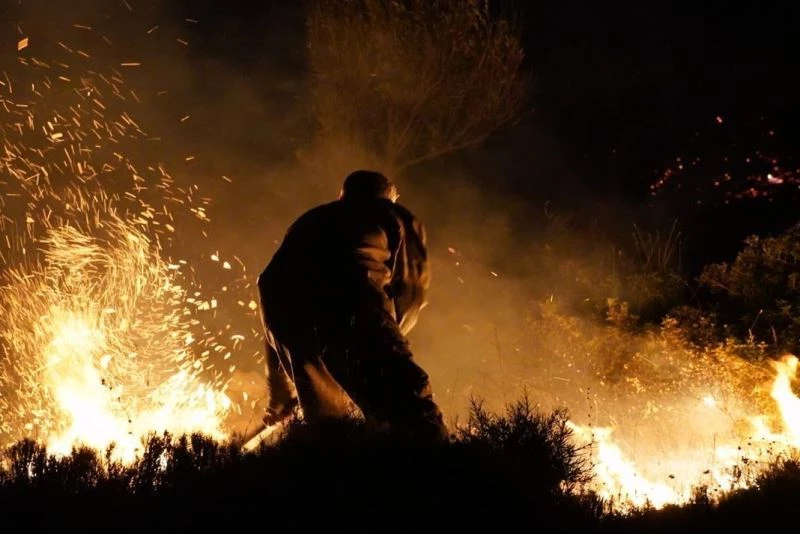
x: 398, y: 82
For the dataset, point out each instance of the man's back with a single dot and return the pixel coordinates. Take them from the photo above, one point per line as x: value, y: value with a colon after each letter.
x: 334, y: 250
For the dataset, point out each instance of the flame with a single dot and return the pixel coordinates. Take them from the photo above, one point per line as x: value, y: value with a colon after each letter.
x: 675, y: 477
x: 788, y: 403
x: 102, y: 341
x: 99, y: 333
x: 94, y: 413
x: 615, y: 477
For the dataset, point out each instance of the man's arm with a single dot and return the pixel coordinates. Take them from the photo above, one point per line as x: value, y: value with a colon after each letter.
x: 411, y: 276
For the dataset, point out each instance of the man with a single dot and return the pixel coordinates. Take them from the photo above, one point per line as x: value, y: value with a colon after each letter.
x: 338, y: 298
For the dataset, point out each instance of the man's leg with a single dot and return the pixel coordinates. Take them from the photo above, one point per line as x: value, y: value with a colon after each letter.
x: 319, y: 394
x: 281, y: 391
x: 377, y: 369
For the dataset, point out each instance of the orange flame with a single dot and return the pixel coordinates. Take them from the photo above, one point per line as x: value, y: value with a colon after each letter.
x: 718, y: 467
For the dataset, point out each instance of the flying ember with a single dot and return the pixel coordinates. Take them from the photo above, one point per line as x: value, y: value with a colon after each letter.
x: 102, y: 343
x: 101, y: 353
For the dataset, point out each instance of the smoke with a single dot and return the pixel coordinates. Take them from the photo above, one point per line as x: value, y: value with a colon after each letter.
x: 223, y: 97
x: 518, y: 302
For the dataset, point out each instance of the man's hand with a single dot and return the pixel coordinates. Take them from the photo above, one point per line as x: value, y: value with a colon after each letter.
x: 275, y: 416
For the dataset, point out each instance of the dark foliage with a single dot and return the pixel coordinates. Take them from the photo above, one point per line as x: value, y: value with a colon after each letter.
x: 509, y: 472
x: 759, y: 291
x: 496, y: 472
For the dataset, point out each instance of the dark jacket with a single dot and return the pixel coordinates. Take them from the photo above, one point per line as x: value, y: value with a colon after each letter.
x: 345, y: 254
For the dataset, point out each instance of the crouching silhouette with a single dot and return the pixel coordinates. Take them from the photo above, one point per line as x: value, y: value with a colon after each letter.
x: 338, y: 298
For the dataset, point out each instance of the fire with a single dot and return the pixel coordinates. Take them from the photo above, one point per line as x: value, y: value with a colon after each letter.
x: 102, y: 338
x: 101, y: 347
x: 94, y: 414
x: 722, y: 464
x: 788, y: 403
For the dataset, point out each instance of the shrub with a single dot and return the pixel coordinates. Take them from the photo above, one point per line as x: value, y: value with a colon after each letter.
x: 759, y: 291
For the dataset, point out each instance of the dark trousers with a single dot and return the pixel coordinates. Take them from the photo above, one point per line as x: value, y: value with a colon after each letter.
x: 358, y: 359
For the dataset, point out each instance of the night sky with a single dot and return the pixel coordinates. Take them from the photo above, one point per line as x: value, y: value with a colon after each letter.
x: 619, y: 87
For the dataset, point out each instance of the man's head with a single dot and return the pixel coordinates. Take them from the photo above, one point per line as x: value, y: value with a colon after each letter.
x: 368, y: 184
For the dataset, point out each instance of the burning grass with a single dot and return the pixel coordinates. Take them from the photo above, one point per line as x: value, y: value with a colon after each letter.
x: 667, y: 418
x: 677, y: 404
x: 514, y: 470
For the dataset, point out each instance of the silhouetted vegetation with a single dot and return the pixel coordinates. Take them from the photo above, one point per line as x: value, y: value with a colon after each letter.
x: 514, y: 471
x: 509, y: 470
x: 758, y: 292
x: 394, y: 84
